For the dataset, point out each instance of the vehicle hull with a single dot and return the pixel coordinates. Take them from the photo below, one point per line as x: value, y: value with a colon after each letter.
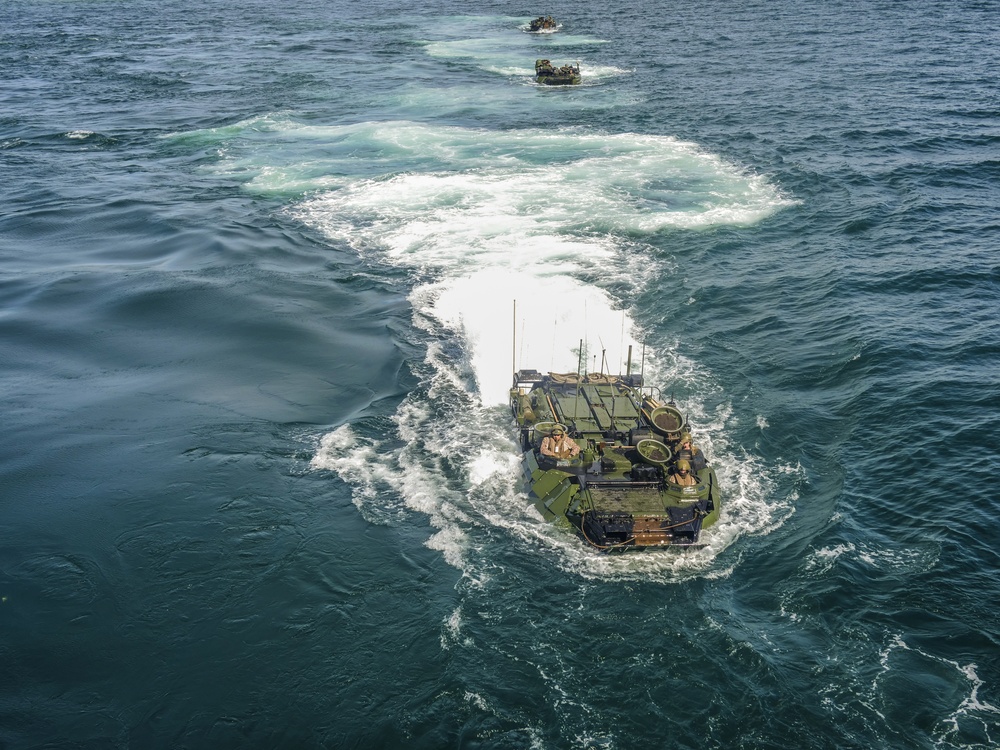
x: 549, y: 75
x: 617, y: 492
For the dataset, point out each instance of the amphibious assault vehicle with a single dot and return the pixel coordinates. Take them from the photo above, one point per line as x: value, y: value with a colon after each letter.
x: 566, y: 75
x: 619, y: 479
x: 543, y: 23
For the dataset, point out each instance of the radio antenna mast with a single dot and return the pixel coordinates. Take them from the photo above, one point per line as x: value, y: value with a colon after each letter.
x: 513, y: 342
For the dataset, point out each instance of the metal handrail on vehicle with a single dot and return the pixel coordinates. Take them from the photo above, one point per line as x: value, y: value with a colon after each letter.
x: 653, y: 391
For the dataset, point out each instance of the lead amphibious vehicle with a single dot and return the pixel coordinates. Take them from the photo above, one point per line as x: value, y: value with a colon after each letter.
x: 622, y: 490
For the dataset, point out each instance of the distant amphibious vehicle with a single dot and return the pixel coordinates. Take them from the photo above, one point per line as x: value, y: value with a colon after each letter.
x: 566, y: 75
x: 543, y: 23
x: 601, y: 453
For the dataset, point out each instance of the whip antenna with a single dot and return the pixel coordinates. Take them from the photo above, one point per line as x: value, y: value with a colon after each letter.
x: 621, y: 343
x: 513, y: 341
x: 579, y: 377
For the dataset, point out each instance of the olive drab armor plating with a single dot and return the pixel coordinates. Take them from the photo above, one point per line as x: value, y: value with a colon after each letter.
x: 622, y: 489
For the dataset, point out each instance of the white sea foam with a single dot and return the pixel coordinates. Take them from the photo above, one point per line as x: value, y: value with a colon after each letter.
x: 972, y: 717
x: 913, y: 558
x: 513, y: 242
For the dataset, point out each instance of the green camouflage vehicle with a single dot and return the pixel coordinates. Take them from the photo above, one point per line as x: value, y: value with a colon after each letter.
x: 566, y: 75
x: 627, y: 476
x: 543, y: 23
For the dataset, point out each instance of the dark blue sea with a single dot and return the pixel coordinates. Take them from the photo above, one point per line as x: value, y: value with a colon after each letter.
x: 266, y: 270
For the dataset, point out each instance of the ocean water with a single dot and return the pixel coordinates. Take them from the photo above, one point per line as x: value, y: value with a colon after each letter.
x: 265, y: 272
